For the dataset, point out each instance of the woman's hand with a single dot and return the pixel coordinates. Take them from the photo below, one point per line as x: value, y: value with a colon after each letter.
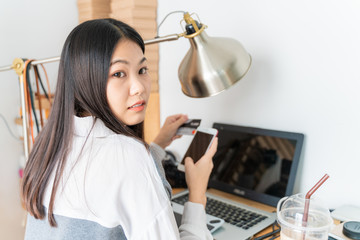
x: 168, y: 131
x: 197, y: 174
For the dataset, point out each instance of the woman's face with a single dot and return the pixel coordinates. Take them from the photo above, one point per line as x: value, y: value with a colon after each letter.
x: 129, y: 83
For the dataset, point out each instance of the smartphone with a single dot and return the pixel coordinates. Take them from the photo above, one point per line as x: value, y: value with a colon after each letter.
x: 201, y: 142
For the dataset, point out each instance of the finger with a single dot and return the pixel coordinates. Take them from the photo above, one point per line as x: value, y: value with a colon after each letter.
x: 181, y: 120
x: 189, y: 163
x: 175, y: 117
x: 176, y: 137
x: 213, y: 148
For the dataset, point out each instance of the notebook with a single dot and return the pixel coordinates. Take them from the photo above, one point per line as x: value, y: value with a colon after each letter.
x: 253, y: 163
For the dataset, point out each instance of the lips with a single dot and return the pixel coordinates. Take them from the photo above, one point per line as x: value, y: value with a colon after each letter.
x: 137, y: 106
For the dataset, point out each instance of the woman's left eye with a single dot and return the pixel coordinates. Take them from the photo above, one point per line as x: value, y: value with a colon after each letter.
x: 143, y: 70
x: 119, y: 74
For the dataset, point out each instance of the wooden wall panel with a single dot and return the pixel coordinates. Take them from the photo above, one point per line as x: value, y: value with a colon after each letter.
x: 152, y: 118
x: 93, y: 9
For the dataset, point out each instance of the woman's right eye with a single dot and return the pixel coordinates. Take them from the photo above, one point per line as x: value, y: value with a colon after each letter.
x: 119, y: 74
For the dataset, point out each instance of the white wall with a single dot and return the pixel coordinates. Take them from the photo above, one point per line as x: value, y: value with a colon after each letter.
x: 304, y: 78
x: 28, y: 29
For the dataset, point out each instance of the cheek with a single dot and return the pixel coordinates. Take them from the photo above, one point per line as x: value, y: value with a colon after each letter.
x: 115, y: 96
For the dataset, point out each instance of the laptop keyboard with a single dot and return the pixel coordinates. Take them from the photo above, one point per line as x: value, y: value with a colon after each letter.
x: 234, y: 215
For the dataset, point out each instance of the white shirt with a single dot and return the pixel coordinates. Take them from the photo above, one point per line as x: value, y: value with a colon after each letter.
x: 111, y: 188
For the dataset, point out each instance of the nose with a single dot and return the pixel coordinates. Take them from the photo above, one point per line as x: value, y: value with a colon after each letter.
x: 136, y: 86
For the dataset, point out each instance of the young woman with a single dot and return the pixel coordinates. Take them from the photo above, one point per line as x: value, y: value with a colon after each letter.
x: 90, y: 175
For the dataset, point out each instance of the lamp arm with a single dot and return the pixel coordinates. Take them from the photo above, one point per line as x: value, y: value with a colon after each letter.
x: 171, y: 37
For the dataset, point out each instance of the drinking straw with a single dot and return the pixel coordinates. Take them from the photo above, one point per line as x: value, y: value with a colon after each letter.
x: 308, y: 195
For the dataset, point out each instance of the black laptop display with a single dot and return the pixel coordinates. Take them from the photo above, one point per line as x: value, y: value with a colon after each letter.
x: 258, y: 164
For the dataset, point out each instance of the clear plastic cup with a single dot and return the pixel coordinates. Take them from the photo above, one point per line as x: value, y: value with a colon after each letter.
x: 290, y: 212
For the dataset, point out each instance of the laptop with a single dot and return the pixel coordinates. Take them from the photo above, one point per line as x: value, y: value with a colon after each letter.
x: 253, y: 163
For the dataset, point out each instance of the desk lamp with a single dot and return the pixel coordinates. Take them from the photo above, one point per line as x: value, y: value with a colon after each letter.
x: 212, y: 64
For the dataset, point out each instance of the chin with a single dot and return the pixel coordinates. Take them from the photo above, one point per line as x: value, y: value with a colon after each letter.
x: 134, y: 121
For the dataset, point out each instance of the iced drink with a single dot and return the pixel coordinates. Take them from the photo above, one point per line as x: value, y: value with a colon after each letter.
x: 290, y: 211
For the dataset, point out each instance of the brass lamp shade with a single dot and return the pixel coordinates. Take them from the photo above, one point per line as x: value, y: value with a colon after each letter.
x: 212, y: 65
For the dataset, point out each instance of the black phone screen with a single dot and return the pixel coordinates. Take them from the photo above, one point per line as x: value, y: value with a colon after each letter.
x: 198, y: 146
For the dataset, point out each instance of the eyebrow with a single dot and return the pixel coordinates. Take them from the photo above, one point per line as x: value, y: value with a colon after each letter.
x: 126, y: 62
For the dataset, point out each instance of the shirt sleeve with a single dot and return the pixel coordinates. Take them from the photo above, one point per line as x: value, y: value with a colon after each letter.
x: 193, y: 223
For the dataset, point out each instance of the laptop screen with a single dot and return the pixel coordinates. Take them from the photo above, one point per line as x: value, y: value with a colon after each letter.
x: 258, y: 164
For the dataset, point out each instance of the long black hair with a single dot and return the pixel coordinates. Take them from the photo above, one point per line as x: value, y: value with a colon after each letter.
x: 81, y: 90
